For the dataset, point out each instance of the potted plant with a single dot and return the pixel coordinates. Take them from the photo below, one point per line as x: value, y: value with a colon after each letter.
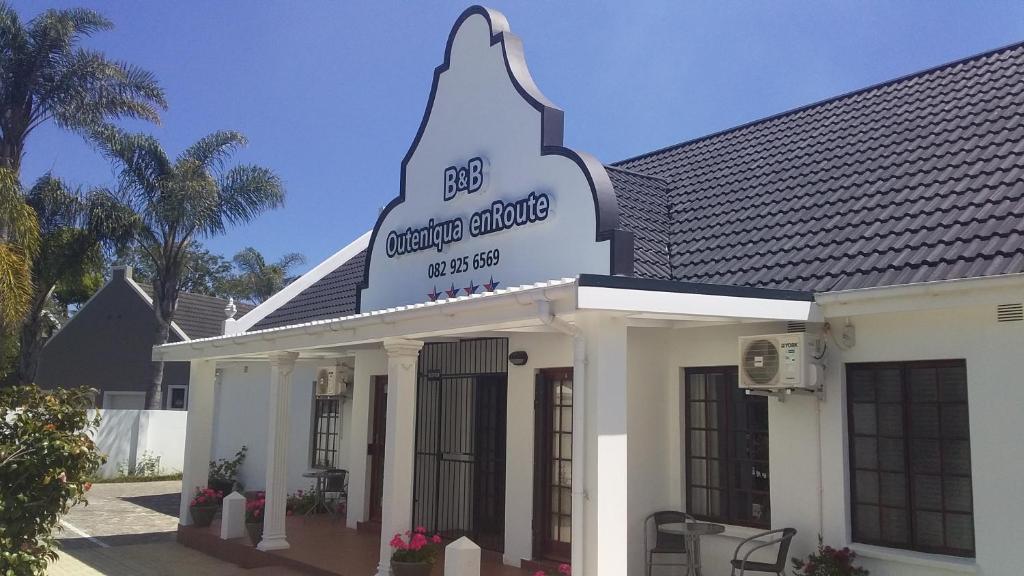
x: 828, y: 561
x: 415, y: 554
x: 254, y: 512
x: 223, y: 475
x: 203, y: 506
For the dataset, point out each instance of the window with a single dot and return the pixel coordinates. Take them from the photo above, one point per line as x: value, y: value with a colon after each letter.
x: 176, y: 398
x: 910, y: 456
x: 727, y: 449
x: 326, y: 423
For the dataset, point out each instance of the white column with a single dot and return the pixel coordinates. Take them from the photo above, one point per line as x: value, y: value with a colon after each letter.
x: 281, y: 367
x: 607, y: 520
x: 368, y: 363
x: 198, y: 433
x: 399, y: 444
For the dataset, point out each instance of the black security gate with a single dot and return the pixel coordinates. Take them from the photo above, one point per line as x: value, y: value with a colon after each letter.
x: 460, y: 440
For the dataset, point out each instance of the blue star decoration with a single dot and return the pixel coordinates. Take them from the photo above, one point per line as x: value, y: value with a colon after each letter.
x: 453, y: 292
x: 491, y: 286
x: 471, y: 289
x: 434, y: 294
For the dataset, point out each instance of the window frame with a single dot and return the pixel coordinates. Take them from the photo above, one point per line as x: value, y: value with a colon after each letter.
x: 332, y: 436
x: 907, y: 438
x: 170, y: 394
x: 727, y: 430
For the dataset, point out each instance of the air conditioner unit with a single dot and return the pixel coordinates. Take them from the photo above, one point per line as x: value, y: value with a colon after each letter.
x: 327, y: 382
x: 779, y: 362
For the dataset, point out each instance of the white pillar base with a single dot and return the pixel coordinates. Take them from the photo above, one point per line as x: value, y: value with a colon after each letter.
x: 273, y: 543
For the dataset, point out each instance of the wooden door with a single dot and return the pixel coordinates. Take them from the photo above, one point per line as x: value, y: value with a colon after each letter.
x: 552, y: 520
x: 375, y: 449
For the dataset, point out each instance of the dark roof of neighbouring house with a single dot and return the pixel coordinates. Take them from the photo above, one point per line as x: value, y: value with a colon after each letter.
x: 915, y: 180
x: 332, y: 296
x: 198, y: 315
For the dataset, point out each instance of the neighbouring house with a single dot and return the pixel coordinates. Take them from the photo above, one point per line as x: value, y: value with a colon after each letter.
x: 108, y: 344
x: 809, y: 321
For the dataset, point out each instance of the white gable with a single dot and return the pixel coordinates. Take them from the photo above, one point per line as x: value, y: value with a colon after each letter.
x: 489, y: 196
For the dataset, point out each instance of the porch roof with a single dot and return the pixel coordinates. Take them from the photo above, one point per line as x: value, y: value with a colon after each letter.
x: 509, y: 309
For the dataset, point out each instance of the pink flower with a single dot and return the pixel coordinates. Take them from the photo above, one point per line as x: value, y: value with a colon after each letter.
x: 420, y: 529
x: 436, y: 539
x: 418, y: 541
x: 397, y: 542
x: 539, y: 573
x: 564, y: 569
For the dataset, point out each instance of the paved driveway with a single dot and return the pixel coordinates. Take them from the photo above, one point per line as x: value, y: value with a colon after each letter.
x: 128, y: 530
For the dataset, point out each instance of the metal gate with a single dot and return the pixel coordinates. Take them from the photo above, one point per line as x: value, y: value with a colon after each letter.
x: 461, y: 396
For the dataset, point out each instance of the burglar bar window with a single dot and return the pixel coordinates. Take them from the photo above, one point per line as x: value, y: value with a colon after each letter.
x: 910, y: 456
x: 326, y: 423
x: 727, y: 449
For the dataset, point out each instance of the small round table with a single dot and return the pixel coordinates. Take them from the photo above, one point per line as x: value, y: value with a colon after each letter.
x: 691, y: 532
x: 320, y: 501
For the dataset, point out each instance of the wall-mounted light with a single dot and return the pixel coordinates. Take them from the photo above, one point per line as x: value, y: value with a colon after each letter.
x: 518, y: 358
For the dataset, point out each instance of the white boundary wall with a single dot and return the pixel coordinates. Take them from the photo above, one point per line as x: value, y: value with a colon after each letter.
x: 126, y: 435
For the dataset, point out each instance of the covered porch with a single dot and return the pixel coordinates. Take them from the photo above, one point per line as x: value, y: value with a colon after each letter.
x: 605, y: 336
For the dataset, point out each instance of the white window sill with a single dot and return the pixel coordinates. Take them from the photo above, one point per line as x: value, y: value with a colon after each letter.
x: 949, y: 563
x: 741, y: 532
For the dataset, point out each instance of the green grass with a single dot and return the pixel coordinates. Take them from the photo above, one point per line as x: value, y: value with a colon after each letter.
x: 126, y: 479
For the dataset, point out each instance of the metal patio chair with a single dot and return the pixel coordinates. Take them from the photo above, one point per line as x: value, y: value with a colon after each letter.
x: 335, y: 482
x: 745, y: 565
x: 664, y: 543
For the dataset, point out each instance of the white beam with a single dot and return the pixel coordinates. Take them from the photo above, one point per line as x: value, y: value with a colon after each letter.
x: 695, y: 305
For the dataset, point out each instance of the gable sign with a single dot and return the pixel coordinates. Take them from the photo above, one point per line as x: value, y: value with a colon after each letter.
x: 489, y: 196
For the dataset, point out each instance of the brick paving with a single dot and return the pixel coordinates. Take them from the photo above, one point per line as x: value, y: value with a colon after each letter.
x: 129, y: 530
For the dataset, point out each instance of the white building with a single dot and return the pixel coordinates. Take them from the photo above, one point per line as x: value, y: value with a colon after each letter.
x: 885, y: 227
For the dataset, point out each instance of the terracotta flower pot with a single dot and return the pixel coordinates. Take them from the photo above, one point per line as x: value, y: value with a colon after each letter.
x: 255, y: 530
x: 410, y: 568
x: 202, y: 516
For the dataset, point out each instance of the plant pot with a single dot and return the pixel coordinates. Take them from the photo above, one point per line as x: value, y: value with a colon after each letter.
x: 411, y: 568
x: 202, y: 516
x: 221, y: 485
x: 255, y: 530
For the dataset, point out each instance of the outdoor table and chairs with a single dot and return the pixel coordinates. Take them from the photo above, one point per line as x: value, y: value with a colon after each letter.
x: 691, y: 533
x: 328, y: 481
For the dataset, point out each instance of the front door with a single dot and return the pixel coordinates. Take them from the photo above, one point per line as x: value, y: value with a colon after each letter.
x: 375, y: 449
x: 552, y: 495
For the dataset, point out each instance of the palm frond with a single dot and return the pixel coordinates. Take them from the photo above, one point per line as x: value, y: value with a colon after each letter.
x: 249, y: 260
x: 245, y: 192
x: 55, y: 204
x: 15, y: 285
x: 143, y: 164
x: 112, y: 222
x: 213, y: 150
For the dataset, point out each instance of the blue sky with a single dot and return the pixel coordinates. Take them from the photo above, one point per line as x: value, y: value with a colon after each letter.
x: 330, y: 94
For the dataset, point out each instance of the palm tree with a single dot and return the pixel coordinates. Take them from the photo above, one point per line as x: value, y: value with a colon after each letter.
x: 74, y: 228
x: 19, y: 243
x: 259, y: 280
x: 45, y: 75
x: 177, y: 201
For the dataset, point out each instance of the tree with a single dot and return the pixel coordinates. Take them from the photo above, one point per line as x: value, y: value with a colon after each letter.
x: 45, y: 75
x: 192, y: 196
x: 19, y: 243
x: 205, y: 272
x: 74, y: 228
x: 258, y: 280
x: 46, y: 459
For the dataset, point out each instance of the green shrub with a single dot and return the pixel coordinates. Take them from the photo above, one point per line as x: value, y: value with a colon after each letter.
x: 46, y: 458
x: 147, y: 466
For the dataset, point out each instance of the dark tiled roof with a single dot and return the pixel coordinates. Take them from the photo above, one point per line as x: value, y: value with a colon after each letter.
x: 915, y: 180
x: 200, y: 316
x: 332, y: 296
x: 643, y: 210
